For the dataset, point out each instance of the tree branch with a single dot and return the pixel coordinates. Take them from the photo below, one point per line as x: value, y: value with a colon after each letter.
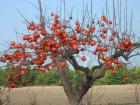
x: 77, y: 66
x: 136, y: 44
x: 134, y: 55
x: 99, y: 74
x: 42, y: 18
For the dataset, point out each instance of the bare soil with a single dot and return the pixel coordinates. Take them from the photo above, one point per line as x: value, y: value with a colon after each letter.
x: 54, y: 95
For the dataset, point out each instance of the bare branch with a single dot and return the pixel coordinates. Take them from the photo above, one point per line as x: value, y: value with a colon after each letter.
x: 134, y: 55
x: 42, y: 18
x: 77, y: 66
x: 136, y: 44
x: 23, y: 16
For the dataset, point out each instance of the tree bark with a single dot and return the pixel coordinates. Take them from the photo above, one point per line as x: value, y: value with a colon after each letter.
x: 73, y: 100
x: 75, y: 92
x: 76, y: 95
x: 78, y: 91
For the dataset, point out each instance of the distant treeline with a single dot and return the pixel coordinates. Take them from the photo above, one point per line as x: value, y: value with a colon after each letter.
x: 51, y: 77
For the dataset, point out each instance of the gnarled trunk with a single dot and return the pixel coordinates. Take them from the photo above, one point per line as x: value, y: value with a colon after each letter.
x: 74, y: 93
x: 75, y: 96
x: 74, y: 99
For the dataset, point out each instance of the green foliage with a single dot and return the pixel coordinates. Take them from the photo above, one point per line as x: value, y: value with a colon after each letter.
x: 135, y: 76
x: 76, y: 76
x: 116, y: 79
x: 51, y: 77
x: 3, y: 77
x: 119, y: 77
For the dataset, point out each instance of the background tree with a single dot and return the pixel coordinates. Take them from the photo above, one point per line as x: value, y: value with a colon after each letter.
x: 54, y: 42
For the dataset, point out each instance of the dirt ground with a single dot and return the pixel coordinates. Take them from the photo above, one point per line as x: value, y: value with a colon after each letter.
x: 54, y: 95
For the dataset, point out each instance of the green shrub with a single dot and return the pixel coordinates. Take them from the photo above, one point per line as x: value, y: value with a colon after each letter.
x: 117, y: 78
x: 3, y: 77
x: 135, y: 76
x: 51, y: 77
x: 76, y: 76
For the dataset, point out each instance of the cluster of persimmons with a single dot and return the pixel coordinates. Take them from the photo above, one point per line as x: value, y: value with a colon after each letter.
x: 45, y: 47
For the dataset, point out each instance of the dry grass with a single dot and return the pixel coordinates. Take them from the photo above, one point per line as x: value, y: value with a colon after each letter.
x: 98, y: 95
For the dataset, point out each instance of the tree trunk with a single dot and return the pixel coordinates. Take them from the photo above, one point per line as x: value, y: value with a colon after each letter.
x: 74, y: 93
x: 77, y: 93
x: 73, y: 100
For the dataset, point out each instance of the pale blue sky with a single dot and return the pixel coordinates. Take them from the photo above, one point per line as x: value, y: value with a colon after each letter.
x: 11, y: 20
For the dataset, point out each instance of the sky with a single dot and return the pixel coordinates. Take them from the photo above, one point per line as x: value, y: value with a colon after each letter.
x: 11, y: 20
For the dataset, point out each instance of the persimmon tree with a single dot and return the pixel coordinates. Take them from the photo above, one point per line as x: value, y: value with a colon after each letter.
x: 57, y: 43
